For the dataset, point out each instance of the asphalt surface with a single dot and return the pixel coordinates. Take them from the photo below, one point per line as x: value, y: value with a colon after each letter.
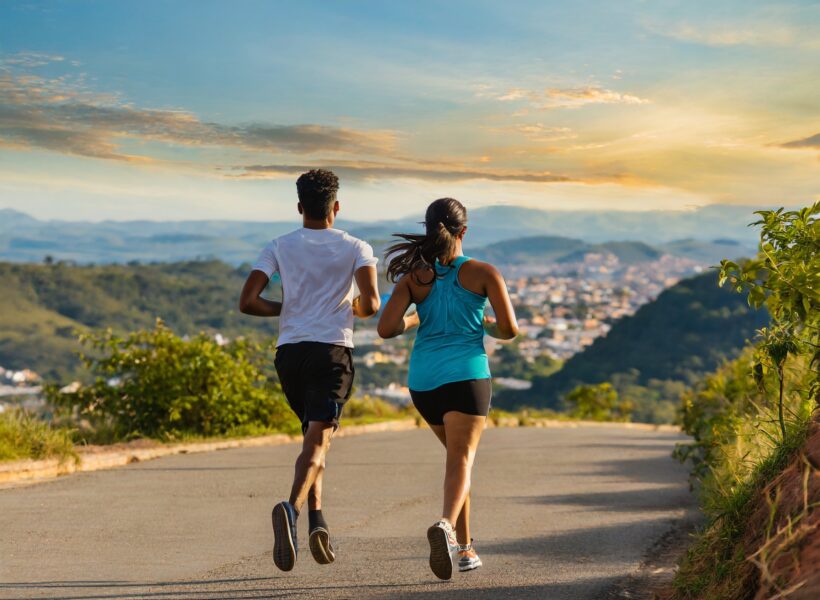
x: 557, y: 513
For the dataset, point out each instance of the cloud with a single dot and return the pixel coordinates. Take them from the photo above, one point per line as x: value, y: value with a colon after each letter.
x: 580, y: 96
x: 809, y: 142
x: 61, y: 114
x: 30, y: 59
x: 757, y: 33
x: 574, y: 97
x: 537, y: 132
x: 373, y: 170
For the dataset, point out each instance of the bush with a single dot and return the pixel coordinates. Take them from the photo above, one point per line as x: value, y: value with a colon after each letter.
x: 156, y: 384
x: 598, y: 403
x: 25, y: 436
x: 369, y: 408
x: 751, y: 416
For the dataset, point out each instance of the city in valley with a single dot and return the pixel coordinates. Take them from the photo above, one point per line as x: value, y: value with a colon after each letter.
x: 561, y: 308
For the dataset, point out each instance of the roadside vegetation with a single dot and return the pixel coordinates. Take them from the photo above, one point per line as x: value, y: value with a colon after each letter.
x: 750, y: 419
x: 25, y: 436
x: 155, y: 385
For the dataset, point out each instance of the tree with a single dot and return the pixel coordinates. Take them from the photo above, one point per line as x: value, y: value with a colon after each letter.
x: 598, y: 403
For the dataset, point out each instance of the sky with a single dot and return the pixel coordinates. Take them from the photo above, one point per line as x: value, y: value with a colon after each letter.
x: 209, y: 110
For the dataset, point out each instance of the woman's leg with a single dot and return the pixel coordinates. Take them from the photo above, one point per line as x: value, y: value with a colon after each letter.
x: 462, y: 434
x: 463, y: 522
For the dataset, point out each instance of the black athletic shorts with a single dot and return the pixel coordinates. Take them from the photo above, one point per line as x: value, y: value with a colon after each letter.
x: 471, y: 397
x: 317, y: 379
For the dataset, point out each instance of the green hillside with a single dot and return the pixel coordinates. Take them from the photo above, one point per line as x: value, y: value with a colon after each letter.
x: 524, y: 250
x: 653, y: 355
x: 544, y: 248
x: 41, y: 306
x: 627, y: 252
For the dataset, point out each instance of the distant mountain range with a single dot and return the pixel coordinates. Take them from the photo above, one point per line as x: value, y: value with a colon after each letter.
x: 708, y: 232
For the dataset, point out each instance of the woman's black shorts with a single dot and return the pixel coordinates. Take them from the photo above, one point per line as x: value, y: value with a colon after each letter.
x: 471, y: 397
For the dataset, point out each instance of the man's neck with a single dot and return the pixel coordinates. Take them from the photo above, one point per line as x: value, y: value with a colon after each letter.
x: 317, y: 223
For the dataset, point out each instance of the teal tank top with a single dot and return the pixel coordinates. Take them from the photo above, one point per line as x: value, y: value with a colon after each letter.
x: 449, y: 344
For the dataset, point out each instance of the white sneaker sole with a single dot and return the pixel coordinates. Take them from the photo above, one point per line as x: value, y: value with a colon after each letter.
x: 441, y: 561
x: 470, y: 566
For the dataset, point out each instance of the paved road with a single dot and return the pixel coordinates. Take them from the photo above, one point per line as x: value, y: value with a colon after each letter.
x: 558, y: 513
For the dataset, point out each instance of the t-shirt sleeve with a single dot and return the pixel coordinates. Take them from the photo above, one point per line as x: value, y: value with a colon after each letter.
x: 364, y: 255
x: 267, y: 261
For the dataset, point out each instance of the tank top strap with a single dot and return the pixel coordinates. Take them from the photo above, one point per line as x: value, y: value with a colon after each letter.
x: 460, y: 260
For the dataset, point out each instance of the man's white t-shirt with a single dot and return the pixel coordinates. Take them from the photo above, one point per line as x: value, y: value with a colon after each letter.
x: 316, y: 267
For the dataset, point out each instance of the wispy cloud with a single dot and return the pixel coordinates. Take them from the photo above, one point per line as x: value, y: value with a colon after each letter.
x: 30, y: 59
x: 374, y: 170
x: 750, y: 33
x: 570, y: 97
x: 62, y: 115
x: 812, y: 141
x: 539, y: 133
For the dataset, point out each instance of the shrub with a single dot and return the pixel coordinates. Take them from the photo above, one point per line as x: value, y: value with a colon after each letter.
x: 751, y: 416
x: 369, y: 408
x: 598, y: 403
x: 155, y: 384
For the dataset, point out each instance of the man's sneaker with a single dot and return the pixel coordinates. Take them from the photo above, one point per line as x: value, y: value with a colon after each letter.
x: 468, y: 558
x: 443, y: 549
x: 320, y: 546
x: 284, y: 535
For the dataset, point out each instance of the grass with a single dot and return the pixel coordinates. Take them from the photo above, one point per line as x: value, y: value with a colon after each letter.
x: 25, y: 436
x: 716, y: 565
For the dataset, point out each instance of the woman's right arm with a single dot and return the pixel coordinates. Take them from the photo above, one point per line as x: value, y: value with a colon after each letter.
x: 505, y: 326
x: 393, y: 322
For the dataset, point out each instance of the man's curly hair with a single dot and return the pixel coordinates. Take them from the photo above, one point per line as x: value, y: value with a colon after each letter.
x: 317, y: 192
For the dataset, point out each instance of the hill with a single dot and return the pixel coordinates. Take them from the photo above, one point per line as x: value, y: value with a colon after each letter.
x: 26, y: 239
x: 667, y: 345
x: 41, y: 306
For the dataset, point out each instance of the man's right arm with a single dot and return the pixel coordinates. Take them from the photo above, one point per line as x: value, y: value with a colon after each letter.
x: 251, y: 301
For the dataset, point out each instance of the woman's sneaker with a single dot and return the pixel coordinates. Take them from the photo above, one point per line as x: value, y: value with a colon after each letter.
x: 320, y: 546
x: 443, y: 549
x: 284, y: 534
x: 468, y: 558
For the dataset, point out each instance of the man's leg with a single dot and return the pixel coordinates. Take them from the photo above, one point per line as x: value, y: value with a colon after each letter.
x: 310, y: 463
x: 315, y: 494
x: 319, y: 540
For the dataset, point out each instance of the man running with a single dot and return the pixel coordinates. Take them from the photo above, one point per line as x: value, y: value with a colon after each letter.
x: 317, y: 265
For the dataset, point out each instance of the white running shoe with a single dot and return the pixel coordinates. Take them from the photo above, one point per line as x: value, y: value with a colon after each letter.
x: 468, y: 558
x: 443, y: 549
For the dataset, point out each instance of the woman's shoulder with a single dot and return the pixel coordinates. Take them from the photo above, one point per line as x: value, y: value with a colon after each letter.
x: 481, y: 268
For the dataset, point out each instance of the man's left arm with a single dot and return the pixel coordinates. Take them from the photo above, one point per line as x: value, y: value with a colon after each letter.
x: 368, y: 302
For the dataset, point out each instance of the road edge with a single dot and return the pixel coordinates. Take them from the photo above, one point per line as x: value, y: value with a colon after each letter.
x: 24, y: 472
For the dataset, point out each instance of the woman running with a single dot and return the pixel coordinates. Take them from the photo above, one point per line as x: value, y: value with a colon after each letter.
x: 449, y: 376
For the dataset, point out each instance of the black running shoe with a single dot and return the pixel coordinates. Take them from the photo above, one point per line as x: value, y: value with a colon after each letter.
x: 284, y: 534
x: 320, y: 546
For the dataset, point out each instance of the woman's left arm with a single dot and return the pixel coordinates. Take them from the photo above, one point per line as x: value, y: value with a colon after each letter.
x: 393, y: 322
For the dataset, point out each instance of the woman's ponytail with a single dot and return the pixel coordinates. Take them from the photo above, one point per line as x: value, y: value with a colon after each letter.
x: 444, y: 221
